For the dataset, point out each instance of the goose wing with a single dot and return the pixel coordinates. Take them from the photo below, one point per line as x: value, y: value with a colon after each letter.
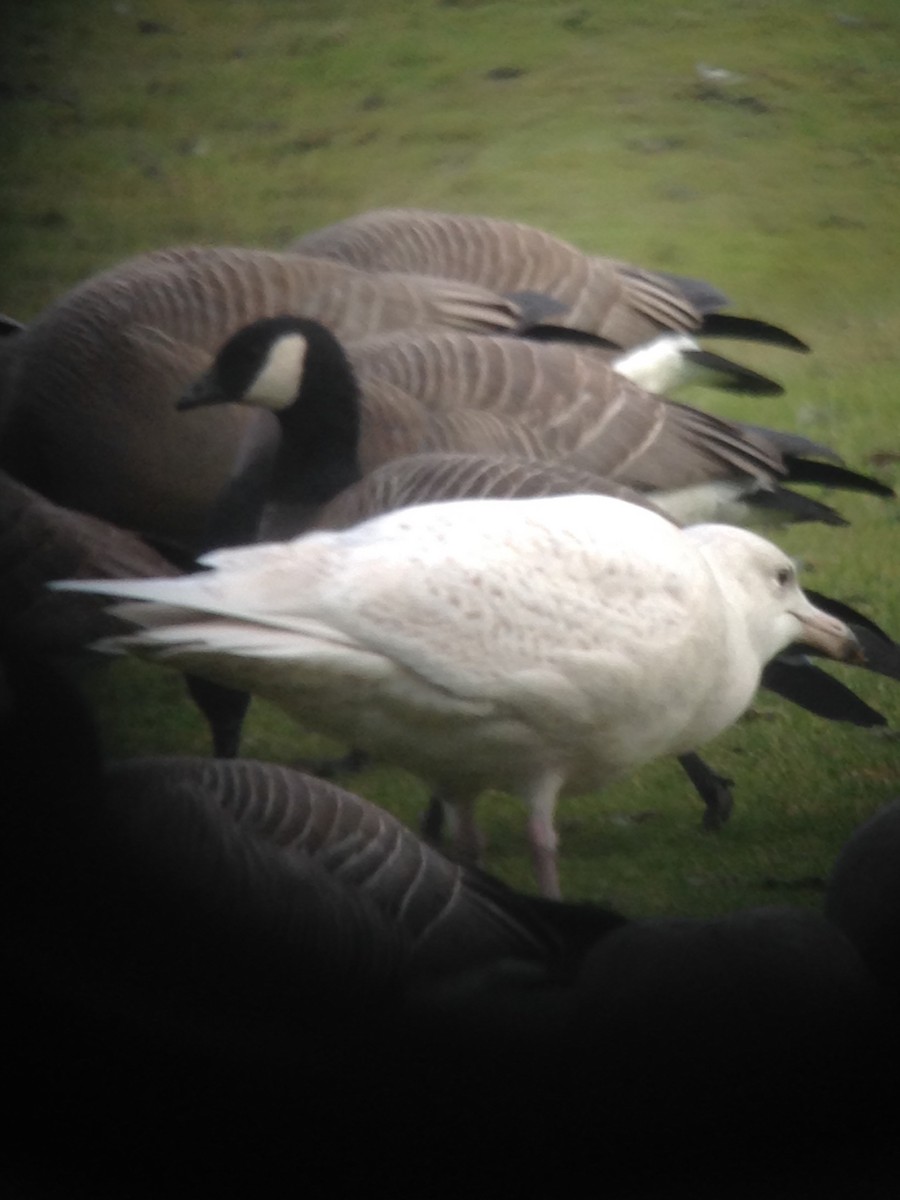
x: 617, y: 301
x: 565, y: 404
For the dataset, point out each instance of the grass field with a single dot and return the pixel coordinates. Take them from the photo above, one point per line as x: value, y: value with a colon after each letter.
x: 129, y: 126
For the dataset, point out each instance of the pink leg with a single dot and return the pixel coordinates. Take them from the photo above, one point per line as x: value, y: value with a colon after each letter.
x: 542, y: 836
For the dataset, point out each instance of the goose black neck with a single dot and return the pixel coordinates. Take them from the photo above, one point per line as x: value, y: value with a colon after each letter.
x: 318, y: 456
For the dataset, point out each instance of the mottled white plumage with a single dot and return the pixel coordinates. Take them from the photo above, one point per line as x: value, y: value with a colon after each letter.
x: 534, y: 645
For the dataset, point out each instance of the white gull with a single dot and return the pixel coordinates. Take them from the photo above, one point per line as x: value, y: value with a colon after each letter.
x: 539, y: 646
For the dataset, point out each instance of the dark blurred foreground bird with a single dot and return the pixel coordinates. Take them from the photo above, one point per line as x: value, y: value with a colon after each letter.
x: 539, y: 646
x: 191, y: 946
x: 217, y: 976
x: 863, y: 895
x: 40, y: 540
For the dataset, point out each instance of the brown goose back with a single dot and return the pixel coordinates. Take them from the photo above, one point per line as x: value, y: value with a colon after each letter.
x: 431, y: 478
x: 554, y: 401
x: 601, y: 295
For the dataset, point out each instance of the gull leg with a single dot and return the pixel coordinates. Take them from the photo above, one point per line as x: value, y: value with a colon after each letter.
x: 542, y: 837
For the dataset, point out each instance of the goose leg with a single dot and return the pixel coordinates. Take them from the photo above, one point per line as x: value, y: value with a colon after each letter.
x: 714, y: 790
x: 224, y: 709
x: 432, y: 823
x: 466, y: 837
x: 329, y: 768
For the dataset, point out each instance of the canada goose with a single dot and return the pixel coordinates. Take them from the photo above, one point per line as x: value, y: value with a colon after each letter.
x: 586, y: 412
x: 626, y: 304
x: 456, y: 639
x: 400, y: 394
x: 89, y: 386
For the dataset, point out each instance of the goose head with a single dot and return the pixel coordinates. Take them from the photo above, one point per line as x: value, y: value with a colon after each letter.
x: 760, y: 582
x: 271, y: 363
x: 297, y: 369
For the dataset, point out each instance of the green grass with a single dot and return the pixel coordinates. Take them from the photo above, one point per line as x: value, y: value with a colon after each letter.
x: 138, y: 125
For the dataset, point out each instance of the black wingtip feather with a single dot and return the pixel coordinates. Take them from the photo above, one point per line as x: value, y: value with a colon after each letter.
x: 732, y: 377
x: 750, y: 329
x: 818, y: 692
x: 828, y: 474
x: 548, y: 332
x: 882, y: 656
x: 794, y: 506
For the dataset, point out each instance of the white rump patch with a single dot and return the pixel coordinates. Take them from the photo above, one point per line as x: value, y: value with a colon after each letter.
x: 718, y: 501
x: 660, y: 365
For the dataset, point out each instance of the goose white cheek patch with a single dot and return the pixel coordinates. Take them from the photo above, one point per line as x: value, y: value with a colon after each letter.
x: 278, y: 381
